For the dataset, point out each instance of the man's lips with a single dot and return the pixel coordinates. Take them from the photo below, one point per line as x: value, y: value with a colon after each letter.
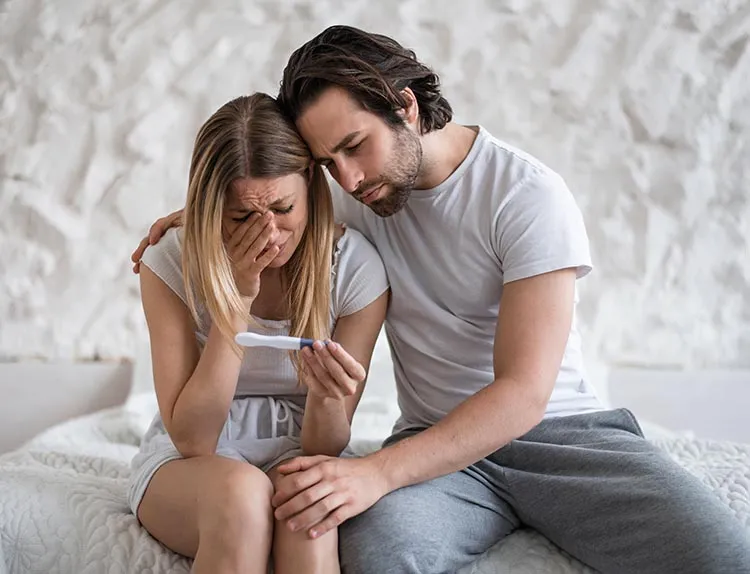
x: 370, y: 195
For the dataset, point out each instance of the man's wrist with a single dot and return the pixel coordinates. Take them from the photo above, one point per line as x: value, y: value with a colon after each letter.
x: 383, y: 467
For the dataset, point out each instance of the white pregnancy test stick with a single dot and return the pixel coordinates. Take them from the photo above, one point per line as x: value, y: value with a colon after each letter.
x: 249, y: 339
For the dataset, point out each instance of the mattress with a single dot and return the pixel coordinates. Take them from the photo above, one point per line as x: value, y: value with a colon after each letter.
x: 63, y: 507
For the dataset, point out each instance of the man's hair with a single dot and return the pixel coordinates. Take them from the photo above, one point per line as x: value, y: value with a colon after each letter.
x: 372, y: 68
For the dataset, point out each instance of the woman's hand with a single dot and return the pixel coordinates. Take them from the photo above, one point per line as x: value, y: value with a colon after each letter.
x: 247, y: 246
x: 330, y: 372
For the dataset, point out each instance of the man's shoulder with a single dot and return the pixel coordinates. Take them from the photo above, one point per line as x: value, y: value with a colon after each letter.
x: 511, y: 161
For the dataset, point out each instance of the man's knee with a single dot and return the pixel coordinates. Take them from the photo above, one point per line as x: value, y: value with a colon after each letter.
x: 385, y: 538
x: 689, y: 528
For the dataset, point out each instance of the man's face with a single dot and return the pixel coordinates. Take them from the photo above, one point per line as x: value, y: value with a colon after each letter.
x: 374, y: 162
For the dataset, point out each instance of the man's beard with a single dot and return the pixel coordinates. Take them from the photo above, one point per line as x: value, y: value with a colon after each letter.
x: 400, y: 175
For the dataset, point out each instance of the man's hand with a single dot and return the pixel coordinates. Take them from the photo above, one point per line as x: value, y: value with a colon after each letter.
x: 318, y: 493
x: 330, y: 372
x: 158, y: 229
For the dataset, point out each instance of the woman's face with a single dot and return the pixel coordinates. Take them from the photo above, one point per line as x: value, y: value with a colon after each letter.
x: 284, y: 197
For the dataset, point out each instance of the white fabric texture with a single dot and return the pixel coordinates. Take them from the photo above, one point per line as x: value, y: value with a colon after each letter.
x: 499, y: 217
x: 63, y: 506
x: 357, y: 279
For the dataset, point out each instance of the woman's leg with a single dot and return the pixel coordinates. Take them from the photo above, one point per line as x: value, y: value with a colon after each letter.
x: 296, y: 552
x: 212, y: 508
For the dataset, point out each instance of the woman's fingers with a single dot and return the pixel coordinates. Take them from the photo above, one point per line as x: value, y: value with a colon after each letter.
x: 344, y: 380
x: 264, y: 260
x: 245, y: 232
x: 318, y: 371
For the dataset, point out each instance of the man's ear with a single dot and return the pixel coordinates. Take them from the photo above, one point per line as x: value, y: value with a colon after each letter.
x: 410, y: 112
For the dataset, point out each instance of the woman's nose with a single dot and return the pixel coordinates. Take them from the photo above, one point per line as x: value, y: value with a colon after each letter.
x: 275, y: 233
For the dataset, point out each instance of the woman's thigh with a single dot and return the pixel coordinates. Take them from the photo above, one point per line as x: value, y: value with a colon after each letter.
x: 186, y: 498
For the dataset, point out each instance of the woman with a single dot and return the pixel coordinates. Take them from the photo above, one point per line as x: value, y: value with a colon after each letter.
x: 259, y: 251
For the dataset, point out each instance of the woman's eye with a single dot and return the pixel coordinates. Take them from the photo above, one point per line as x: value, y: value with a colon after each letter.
x: 284, y: 210
x: 243, y: 219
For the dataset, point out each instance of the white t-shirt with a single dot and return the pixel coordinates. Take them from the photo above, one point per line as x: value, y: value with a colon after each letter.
x: 357, y: 279
x: 501, y: 216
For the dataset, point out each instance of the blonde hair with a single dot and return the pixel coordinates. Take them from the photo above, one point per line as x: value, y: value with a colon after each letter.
x: 250, y: 137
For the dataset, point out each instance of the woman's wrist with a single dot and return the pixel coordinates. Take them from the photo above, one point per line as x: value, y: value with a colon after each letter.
x: 241, y: 321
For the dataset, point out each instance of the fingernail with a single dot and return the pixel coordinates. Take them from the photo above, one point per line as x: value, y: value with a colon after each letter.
x: 332, y: 346
x: 314, y: 533
x: 292, y: 526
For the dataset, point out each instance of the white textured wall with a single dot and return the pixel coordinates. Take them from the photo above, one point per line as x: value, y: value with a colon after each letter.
x: 643, y: 105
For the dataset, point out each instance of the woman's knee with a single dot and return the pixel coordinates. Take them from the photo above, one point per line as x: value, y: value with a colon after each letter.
x: 239, y: 503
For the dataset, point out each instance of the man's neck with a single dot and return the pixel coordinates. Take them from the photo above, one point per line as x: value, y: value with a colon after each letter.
x: 442, y: 152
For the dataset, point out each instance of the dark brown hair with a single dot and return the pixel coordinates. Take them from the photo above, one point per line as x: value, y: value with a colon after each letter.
x: 374, y: 69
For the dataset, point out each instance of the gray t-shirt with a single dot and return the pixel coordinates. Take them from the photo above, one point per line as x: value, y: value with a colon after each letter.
x: 357, y: 279
x: 500, y: 217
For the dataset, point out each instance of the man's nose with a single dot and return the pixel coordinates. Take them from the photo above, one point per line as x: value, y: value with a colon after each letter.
x: 350, y: 176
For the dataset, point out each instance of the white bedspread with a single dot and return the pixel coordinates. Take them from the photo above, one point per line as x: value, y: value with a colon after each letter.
x: 63, y: 510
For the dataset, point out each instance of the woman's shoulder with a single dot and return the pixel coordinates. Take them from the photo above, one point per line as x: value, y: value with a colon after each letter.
x: 165, y: 260
x: 169, y: 248
x: 359, y: 275
x: 350, y: 244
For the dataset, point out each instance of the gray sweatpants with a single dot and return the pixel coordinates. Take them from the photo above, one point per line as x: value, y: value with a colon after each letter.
x: 590, y: 483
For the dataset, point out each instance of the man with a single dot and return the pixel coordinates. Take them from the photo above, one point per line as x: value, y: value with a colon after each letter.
x: 499, y: 425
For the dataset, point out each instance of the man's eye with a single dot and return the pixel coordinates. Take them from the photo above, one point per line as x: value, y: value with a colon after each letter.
x: 354, y: 148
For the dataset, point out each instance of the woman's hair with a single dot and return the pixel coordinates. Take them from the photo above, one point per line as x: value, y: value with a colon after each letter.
x: 250, y: 137
x: 372, y: 68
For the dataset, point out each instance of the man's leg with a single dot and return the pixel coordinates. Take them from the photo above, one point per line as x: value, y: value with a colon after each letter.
x: 430, y: 528
x: 596, y: 488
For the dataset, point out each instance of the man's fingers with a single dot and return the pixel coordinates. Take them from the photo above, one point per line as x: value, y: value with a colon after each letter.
x: 334, y: 520
x: 300, y: 464
x: 159, y: 228
x: 136, y: 256
x: 291, y: 485
x: 310, y: 507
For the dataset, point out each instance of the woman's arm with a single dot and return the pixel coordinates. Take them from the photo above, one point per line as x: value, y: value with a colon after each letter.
x: 194, y: 390
x: 327, y: 421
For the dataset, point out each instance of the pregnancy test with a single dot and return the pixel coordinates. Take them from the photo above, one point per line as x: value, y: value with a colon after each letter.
x: 249, y: 339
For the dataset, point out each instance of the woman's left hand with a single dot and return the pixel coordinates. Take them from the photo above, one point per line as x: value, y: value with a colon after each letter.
x: 329, y: 371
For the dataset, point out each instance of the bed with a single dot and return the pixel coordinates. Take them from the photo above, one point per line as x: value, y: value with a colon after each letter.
x: 63, y: 510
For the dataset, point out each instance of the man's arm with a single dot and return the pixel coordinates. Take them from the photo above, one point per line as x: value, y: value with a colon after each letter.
x: 532, y: 331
